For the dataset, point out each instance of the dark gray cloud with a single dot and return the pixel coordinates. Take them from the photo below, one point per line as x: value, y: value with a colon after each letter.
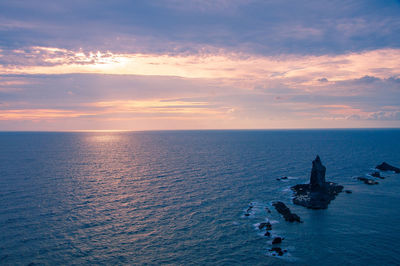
x: 175, y: 26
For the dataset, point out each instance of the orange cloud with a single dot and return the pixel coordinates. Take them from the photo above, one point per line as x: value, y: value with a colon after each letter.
x: 159, y: 106
x: 297, y: 69
x: 38, y: 114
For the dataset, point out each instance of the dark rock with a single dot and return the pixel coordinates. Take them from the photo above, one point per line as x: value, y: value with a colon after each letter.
x: 249, y: 209
x: 367, y: 181
x: 285, y: 211
x: 267, y: 234
x: 348, y: 191
x: 262, y: 225
x: 378, y: 175
x: 387, y: 167
x: 282, y: 178
x: 278, y: 250
x: 269, y: 226
x: 317, y: 178
x: 318, y: 193
x: 277, y: 240
x: 267, y: 209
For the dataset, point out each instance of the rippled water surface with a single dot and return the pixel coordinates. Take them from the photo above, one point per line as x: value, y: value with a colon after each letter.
x: 179, y: 197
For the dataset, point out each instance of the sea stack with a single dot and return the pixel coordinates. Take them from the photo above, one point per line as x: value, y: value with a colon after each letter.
x: 318, y: 193
x: 317, y: 179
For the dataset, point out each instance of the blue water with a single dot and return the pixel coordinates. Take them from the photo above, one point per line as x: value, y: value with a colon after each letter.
x: 179, y: 197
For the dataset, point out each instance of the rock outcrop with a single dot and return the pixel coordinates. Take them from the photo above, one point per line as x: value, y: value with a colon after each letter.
x: 278, y: 251
x: 368, y: 181
x: 377, y: 175
x: 317, y: 178
x: 318, y: 193
x: 277, y: 240
x: 286, y: 213
x: 387, y: 167
x: 267, y: 225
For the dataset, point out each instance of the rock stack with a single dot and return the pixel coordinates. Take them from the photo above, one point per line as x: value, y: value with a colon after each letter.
x: 318, y: 193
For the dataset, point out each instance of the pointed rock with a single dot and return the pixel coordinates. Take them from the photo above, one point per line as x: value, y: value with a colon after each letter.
x: 317, y: 178
x: 318, y: 193
x: 387, y: 167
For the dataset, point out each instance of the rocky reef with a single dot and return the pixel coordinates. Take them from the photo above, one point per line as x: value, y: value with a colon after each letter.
x: 277, y: 251
x: 286, y: 213
x: 368, y: 181
x: 387, y: 167
x: 318, y: 193
x: 377, y: 175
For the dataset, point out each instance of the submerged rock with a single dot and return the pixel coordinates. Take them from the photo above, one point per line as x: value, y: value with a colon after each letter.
x: 267, y: 225
x: 378, y: 175
x: 277, y: 240
x: 285, y: 211
x: 278, y: 251
x: 282, y: 178
x: 387, y: 167
x: 249, y: 209
x: 367, y: 181
x: 348, y: 191
x: 318, y: 193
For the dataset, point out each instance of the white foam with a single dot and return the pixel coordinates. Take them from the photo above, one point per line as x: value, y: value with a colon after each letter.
x: 286, y: 256
x: 257, y: 208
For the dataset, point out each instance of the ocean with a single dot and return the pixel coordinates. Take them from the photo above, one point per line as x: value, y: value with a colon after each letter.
x: 180, y: 197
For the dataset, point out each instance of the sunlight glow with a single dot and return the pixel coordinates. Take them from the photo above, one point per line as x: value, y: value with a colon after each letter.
x: 221, y: 65
x: 37, y: 114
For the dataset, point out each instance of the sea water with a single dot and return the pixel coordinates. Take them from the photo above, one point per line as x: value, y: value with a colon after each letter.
x: 180, y: 197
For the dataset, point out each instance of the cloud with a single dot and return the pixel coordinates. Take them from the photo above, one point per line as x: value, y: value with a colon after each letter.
x: 175, y: 26
x: 382, y: 115
x: 368, y: 79
x: 297, y: 69
x: 133, y: 86
x: 206, y: 6
x: 198, y: 64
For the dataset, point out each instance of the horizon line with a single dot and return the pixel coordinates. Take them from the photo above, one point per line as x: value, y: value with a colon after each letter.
x: 210, y: 129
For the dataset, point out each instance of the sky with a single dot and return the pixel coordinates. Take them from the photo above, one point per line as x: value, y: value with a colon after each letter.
x: 199, y: 64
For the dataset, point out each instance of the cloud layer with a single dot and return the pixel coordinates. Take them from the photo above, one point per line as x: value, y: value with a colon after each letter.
x: 176, y: 64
